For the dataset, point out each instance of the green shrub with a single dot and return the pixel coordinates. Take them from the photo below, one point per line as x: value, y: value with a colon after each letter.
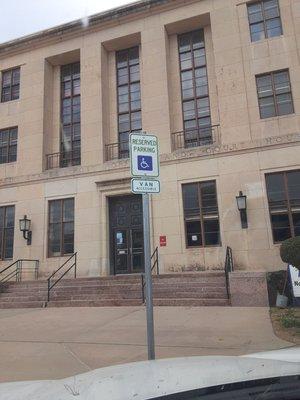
x: 290, y: 251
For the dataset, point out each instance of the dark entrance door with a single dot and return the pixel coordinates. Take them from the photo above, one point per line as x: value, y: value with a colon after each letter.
x: 126, y: 234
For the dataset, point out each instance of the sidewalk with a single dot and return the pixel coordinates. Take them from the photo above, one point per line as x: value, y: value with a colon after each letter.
x: 59, y: 342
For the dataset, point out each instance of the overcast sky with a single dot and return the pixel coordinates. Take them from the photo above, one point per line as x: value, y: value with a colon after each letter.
x: 22, y: 17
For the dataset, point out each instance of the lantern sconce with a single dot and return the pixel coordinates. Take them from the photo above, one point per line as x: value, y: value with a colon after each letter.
x: 241, y: 201
x: 25, y: 225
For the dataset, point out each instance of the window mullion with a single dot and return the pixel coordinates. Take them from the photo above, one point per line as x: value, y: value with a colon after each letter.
x: 11, y: 83
x: 129, y: 91
x: 274, y: 93
x: 201, y: 214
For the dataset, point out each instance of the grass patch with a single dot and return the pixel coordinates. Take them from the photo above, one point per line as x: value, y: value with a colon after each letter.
x: 286, y: 323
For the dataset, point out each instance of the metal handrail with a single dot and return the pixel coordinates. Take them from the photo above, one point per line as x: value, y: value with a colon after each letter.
x: 228, y: 267
x: 155, y: 264
x: 117, y: 150
x: 195, y: 137
x: 17, y: 272
x: 49, y: 285
x: 62, y: 159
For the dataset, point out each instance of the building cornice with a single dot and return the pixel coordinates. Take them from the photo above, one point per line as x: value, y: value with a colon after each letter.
x: 76, y: 28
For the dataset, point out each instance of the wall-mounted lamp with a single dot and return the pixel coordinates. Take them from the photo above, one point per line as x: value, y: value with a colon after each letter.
x: 25, y: 224
x: 241, y: 201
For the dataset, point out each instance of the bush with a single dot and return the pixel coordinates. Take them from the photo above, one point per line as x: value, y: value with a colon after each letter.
x: 290, y: 251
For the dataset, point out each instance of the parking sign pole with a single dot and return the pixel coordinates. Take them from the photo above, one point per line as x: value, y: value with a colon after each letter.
x: 148, y: 278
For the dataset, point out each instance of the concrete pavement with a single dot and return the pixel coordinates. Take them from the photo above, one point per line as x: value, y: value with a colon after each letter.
x: 59, y: 342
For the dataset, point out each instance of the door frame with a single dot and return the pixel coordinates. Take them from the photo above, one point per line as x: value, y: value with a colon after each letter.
x: 112, y: 229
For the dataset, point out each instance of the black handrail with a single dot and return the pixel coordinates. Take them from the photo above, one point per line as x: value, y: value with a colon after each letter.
x: 17, y: 272
x: 155, y: 264
x: 229, y: 267
x: 49, y: 285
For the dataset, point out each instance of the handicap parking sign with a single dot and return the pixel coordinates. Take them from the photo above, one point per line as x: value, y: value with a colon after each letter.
x: 145, y: 163
x: 144, y: 157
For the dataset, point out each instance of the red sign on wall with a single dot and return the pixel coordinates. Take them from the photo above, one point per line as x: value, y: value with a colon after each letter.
x: 163, y: 241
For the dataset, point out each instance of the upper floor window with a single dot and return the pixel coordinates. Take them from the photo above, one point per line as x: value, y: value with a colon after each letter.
x: 264, y: 19
x: 61, y: 227
x: 129, y: 96
x: 10, y: 89
x: 70, y: 115
x: 274, y: 94
x: 194, y: 89
x: 283, y: 189
x: 8, y: 145
x: 7, y: 225
x: 201, y: 214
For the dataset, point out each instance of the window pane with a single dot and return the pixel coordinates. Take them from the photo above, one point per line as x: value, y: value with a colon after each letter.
x: 211, y: 232
x: 68, y: 238
x: 10, y: 217
x: 190, y: 199
x: 15, y: 92
x: 6, y: 78
x: 134, y: 56
x: 16, y: 76
x: 209, y: 198
x: 281, y: 227
x: 198, y: 39
x: 193, y: 233
x: 276, y: 192
x: 122, y: 58
x: 76, y: 87
x: 9, y: 243
x: 296, y: 223
x: 267, y: 107
x: 186, y: 60
x: 136, y: 123
x: 184, y: 43
x: 203, y: 107
x: 7, y: 223
x: 55, y: 239
x: 293, y: 180
x: 189, y: 110
x: 284, y: 104
x: 68, y: 210
x: 55, y: 211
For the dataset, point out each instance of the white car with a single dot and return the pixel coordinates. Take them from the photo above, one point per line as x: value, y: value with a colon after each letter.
x: 272, y: 375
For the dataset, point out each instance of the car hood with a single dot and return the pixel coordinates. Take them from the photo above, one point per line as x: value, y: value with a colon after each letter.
x: 148, y: 379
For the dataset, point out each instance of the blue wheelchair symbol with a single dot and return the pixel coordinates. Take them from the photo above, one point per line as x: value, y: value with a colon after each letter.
x: 145, y: 163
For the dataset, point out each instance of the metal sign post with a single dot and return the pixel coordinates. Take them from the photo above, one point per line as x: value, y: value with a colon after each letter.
x: 148, y: 278
x: 145, y: 166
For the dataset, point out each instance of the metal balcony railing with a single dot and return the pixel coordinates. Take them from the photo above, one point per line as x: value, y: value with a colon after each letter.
x: 196, y: 137
x: 116, y: 151
x: 63, y: 159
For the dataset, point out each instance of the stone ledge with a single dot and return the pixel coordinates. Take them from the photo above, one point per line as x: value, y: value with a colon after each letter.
x: 248, y: 289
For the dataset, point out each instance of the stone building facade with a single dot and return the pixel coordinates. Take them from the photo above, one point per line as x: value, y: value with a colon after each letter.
x: 218, y: 81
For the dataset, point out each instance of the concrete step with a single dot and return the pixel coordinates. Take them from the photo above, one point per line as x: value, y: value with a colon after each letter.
x: 95, y: 303
x: 191, y: 302
x: 21, y: 304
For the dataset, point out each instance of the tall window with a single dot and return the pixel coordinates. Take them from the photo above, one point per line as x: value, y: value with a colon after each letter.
x: 7, y: 225
x: 129, y: 96
x: 70, y: 115
x: 61, y: 227
x: 264, y: 19
x: 283, y: 190
x: 8, y: 145
x: 274, y: 94
x: 201, y: 214
x: 10, y: 85
x: 194, y: 89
